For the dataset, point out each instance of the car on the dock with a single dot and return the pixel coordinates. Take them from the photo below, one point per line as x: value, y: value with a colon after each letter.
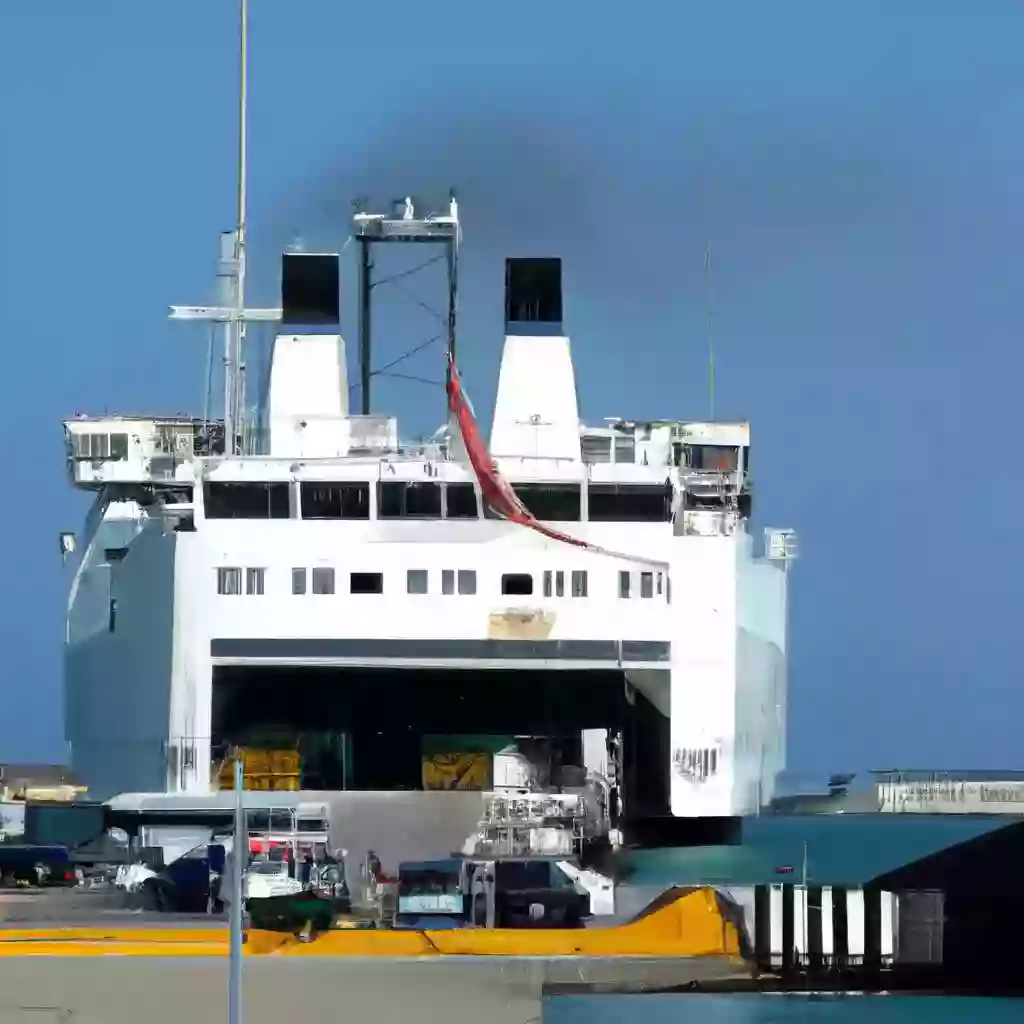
x: 24, y: 864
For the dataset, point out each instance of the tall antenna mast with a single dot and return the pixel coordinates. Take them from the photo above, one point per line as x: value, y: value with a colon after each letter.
x: 709, y: 324
x: 236, y: 398
x: 230, y: 312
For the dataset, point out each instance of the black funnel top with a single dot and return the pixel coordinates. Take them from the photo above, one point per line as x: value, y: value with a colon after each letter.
x: 533, y: 295
x: 310, y: 289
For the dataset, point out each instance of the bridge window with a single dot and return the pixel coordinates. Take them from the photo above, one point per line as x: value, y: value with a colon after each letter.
x: 630, y: 503
x: 229, y: 580
x: 558, y: 502
x: 255, y: 579
x: 350, y: 500
x: 723, y: 458
x: 460, y: 501
x: 623, y: 583
x: 100, y: 446
x: 366, y: 583
x: 517, y: 584
x: 579, y: 583
x: 647, y: 584
x: 298, y: 581
x: 417, y: 581
x: 323, y: 579
x: 625, y: 448
x: 119, y: 447
x: 246, y: 501
x: 399, y: 499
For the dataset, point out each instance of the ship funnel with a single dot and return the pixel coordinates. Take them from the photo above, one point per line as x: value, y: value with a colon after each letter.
x: 536, y: 416
x: 533, y: 296
x: 310, y: 289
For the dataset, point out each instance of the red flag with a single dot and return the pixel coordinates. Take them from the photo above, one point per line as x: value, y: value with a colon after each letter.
x: 496, y: 491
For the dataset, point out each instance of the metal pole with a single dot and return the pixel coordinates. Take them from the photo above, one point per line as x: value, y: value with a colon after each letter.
x: 234, y: 387
x: 240, y: 851
x: 453, y: 290
x: 365, y: 349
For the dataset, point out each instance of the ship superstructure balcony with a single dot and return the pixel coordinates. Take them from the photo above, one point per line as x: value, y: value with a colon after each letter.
x: 111, y: 450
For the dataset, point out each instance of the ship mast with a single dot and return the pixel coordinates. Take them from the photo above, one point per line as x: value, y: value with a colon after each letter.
x: 231, y: 311
x: 234, y: 381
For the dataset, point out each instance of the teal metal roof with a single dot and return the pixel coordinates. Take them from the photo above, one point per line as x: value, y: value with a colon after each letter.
x: 842, y: 849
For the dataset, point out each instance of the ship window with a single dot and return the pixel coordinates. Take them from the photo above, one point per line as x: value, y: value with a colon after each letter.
x: 517, y: 584
x: 596, y: 448
x: 119, y: 447
x: 647, y: 584
x: 335, y: 500
x: 366, y: 583
x: 714, y: 457
x: 623, y: 583
x: 579, y: 583
x: 548, y: 588
x: 323, y: 579
x: 554, y: 583
x: 298, y: 581
x: 558, y: 502
x: 467, y: 581
x: 625, y: 448
x: 657, y: 582
x: 447, y: 581
x: 229, y: 580
x: 255, y: 580
x: 460, y: 502
x: 630, y: 503
x: 398, y: 499
x: 416, y: 581
x: 112, y: 616
x: 246, y: 501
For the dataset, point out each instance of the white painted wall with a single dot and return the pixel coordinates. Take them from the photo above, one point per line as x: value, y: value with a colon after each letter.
x: 490, y: 548
x: 703, y: 684
x: 761, y: 677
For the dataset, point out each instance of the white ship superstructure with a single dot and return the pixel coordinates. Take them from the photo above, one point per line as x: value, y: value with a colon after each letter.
x: 339, y: 591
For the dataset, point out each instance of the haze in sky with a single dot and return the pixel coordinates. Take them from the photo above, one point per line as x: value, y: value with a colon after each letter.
x: 856, y: 167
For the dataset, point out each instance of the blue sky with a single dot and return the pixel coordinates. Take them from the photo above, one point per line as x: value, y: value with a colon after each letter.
x: 857, y: 167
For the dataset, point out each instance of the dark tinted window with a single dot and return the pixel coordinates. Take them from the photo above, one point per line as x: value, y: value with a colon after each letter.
x: 630, y: 503
x: 517, y: 583
x: 551, y: 501
x: 366, y: 583
x: 119, y: 446
x: 522, y: 874
x: 246, y: 501
x: 720, y: 457
x: 461, y: 501
x: 335, y: 501
x: 397, y: 499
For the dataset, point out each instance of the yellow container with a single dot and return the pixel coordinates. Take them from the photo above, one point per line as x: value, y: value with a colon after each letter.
x: 457, y: 771
x: 256, y: 762
x: 284, y: 762
x: 285, y: 783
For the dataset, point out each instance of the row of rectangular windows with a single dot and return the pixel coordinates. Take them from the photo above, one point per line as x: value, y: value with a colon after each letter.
x: 321, y: 580
x: 428, y: 499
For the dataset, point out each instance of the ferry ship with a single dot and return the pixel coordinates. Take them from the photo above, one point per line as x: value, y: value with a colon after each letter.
x: 321, y: 585
x: 565, y: 605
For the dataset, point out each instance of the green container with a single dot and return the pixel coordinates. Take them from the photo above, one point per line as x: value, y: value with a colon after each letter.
x: 291, y: 913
